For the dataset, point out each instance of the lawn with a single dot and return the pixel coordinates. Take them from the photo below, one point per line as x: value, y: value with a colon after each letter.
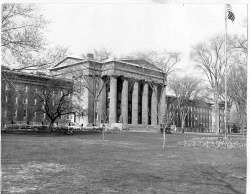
x: 126, y: 162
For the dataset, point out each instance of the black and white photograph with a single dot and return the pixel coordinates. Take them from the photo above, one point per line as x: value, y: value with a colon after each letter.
x: 128, y: 97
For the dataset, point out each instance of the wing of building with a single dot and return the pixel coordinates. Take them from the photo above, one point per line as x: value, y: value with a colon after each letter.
x: 21, y: 99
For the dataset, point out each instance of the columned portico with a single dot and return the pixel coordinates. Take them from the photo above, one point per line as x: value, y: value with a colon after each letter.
x: 135, y: 97
x: 125, y: 97
x: 113, y: 100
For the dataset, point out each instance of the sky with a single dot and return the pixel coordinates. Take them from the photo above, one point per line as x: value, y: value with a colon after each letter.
x: 126, y: 28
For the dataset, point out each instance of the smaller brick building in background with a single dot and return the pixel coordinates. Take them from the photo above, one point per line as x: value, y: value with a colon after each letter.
x: 18, y: 97
x: 200, y: 116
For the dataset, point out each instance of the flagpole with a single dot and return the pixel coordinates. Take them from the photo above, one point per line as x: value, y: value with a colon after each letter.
x: 225, y: 114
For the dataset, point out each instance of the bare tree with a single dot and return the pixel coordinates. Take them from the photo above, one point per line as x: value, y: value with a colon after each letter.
x: 94, y: 83
x: 188, y: 91
x: 88, y: 76
x: 237, y: 81
x: 238, y: 43
x: 209, y: 57
x: 55, y: 101
x: 169, y: 116
x: 99, y: 55
x: 22, y: 38
x: 171, y: 109
x: 237, y: 90
x: 21, y: 31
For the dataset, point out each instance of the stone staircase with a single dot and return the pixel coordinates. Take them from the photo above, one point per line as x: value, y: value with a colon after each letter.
x: 142, y: 127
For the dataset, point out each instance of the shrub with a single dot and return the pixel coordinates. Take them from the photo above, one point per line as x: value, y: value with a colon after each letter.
x: 215, y: 143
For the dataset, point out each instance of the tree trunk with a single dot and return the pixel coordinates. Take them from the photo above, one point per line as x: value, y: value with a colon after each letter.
x: 216, y: 113
x: 164, y: 137
x: 95, y: 104
x: 182, y: 125
x: 241, y: 123
x: 51, y: 126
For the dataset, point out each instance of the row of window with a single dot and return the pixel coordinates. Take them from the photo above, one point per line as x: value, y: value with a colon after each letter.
x: 34, y: 115
x: 26, y: 90
x: 193, y: 124
x: 196, y: 116
x: 24, y: 114
x: 25, y: 101
x: 199, y: 110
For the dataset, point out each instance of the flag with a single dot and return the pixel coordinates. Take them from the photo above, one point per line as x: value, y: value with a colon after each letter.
x: 230, y: 14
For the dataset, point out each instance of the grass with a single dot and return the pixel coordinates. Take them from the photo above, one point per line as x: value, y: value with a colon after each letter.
x: 125, y: 162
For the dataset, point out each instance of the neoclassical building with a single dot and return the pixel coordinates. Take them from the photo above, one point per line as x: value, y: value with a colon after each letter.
x: 126, y: 90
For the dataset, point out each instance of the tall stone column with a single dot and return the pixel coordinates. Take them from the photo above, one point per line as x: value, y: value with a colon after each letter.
x: 135, y: 97
x: 163, y: 101
x: 154, y: 106
x: 145, y: 104
x: 113, y: 100
x: 125, y: 101
x: 102, y: 102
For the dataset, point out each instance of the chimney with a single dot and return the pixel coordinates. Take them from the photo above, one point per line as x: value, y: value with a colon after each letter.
x: 90, y: 56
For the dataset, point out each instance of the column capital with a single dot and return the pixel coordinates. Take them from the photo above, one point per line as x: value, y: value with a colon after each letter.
x: 125, y: 78
x: 114, y: 76
x: 145, y: 82
x: 134, y: 79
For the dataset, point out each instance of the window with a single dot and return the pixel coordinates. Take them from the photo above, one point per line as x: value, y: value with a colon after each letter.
x: 24, y: 113
x: 35, y: 114
x: 26, y: 88
x: 61, y: 93
x: 36, y: 90
x: 6, y: 87
x: 35, y: 101
x: 67, y: 117
x: 44, y: 115
x: 53, y: 103
x: 15, y: 113
x: 53, y: 92
x: 16, y: 100
x: 25, y: 101
x: 5, y: 113
x: 6, y: 98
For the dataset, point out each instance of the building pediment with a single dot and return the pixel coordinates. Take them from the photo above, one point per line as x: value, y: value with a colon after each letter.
x: 67, y: 62
x: 142, y: 63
